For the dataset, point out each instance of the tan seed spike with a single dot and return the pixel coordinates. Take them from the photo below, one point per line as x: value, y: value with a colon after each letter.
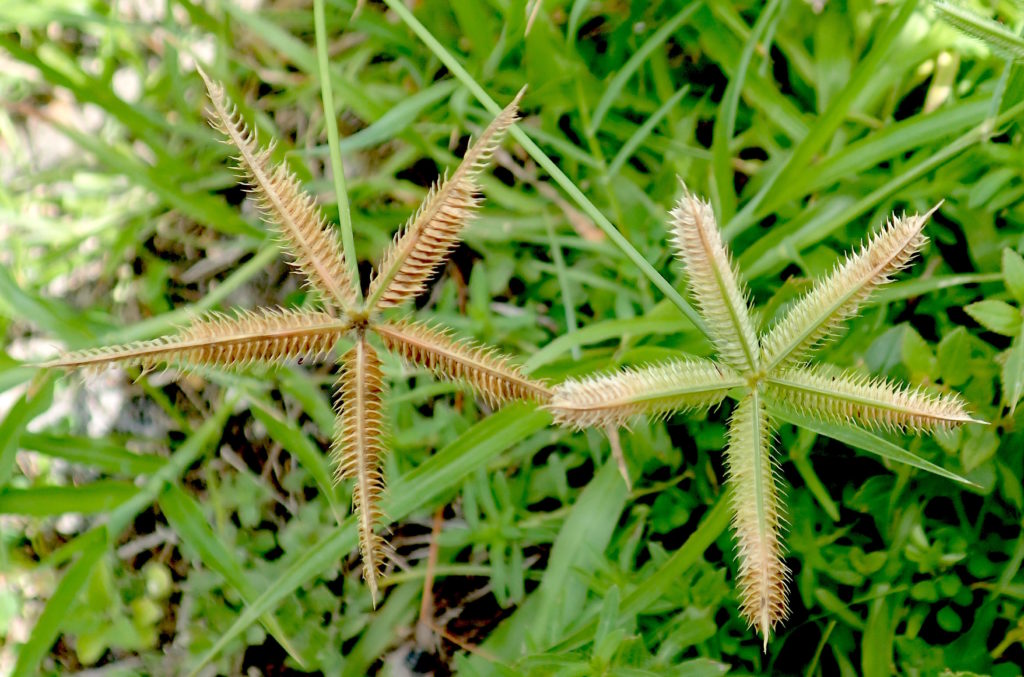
x: 821, y: 312
x: 762, y: 572
x: 315, y: 251
x: 491, y: 375
x: 658, y: 391
x: 844, y: 397
x: 357, y: 451
x: 267, y: 336
x: 714, y: 282
x: 434, y: 230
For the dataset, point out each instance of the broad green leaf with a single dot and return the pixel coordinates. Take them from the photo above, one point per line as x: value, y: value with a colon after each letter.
x: 997, y: 316
x: 918, y: 356
x: 1013, y: 372
x: 1013, y: 273
x: 651, y: 588
x: 955, y: 357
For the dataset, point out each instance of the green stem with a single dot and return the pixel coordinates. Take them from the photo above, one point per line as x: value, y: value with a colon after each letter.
x: 337, y: 167
x: 602, y: 222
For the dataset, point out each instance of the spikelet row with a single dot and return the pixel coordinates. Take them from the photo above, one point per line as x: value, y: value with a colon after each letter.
x: 434, y: 230
x: 357, y: 450
x: 492, y: 375
x: 835, y: 299
x: 714, y: 282
x: 267, y: 336
x: 303, y: 231
x: 658, y: 391
x: 763, y: 574
x: 846, y: 397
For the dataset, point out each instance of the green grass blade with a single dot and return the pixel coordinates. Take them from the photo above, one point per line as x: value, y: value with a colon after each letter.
x: 648, y: 591
x: 825, y: 124
x: 439, y: 475
x: 87, y: 499
x: 576, y: 552
x: 46, y: 629
x: 188, y: 521
x: 34, y: 402
x: 337, y: 167
x: 862, y: 439
x: 549, y: 166
x: 298, y: 444
x: 197, y: 444
x: 622, y: 77
x: 722, y: 190
x: 642, y: 132
x: 100, y: 454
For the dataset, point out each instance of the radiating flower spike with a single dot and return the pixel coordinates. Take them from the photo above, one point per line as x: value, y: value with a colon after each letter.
x: 435, y: 229
x: 357, y: 450
x: 491, y: 375
x: 303, y: 230
x: 714, y: 281
x: 821, y: 312
x: 763, y: 573
x: 266, y: 336
x: 759, y: 372
x: 658, y: 391
x: 845, y: 397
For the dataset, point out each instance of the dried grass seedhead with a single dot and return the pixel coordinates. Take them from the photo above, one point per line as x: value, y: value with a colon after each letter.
x: 433, y: 231
x: 758, y: 371
x: 271, y: 336
x: 357, y: 450
x: 275, y: 336
x: 492, y: 375
x: 304, y: 234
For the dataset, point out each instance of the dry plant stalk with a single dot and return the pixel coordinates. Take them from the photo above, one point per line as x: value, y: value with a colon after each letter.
x: 758, y: 371
x: 277, y: 336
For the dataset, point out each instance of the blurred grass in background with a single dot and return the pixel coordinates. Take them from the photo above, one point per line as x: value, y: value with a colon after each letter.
x: 158, y: 526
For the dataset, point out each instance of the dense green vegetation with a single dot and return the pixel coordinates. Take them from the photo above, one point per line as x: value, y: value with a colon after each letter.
x: 164, y: 526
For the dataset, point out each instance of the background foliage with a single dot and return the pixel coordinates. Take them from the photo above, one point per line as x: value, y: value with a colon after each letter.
x: 164, y: 526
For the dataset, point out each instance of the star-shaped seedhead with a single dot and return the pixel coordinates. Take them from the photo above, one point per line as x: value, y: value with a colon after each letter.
x: 277, y: 336
x: 758, y: 371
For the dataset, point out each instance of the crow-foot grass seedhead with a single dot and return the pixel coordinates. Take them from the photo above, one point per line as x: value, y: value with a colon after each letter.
x: 276, y: 336
x: 761, y: 371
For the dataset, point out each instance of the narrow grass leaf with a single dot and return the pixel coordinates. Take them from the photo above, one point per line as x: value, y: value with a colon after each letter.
x: 636, y: 60
x: 190, y: 524
x: 437, y: 476
x: 863, y: 440
x: 88, y: 499
x: 48, y: 627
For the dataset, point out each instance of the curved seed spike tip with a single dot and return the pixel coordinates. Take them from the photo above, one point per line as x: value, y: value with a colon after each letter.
x: 821, y: 312
x: 763, y: 574
x: 266, y: 336
x: 842, y: 396
x: 357, y: 449
x: 659, y: 390
x: 434, y: 230
x: 714, y: 281
x: 315, y: 251
x: 492, y: 375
